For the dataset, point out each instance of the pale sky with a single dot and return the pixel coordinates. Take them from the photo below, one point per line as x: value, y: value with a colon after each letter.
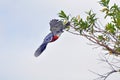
x: 23, y: 26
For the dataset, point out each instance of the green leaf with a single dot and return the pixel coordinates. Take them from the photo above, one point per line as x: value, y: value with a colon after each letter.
x: 104, y: 3
x: 110, y: 28
x: 118, y: 49
x: 100, y: 37
x: 63, y: 15
x: 91, y: 18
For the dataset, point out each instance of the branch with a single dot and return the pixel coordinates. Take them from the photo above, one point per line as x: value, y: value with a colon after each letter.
x: 106, y: 75
x: 93, y: 38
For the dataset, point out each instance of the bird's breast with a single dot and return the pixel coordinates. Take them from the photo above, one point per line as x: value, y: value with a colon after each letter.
x: 54, y: 38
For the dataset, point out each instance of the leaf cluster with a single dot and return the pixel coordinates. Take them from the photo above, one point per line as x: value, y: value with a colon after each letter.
x: 107, y: 37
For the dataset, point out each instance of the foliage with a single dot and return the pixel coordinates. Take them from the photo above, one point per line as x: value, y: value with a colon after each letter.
x: 107, y: 37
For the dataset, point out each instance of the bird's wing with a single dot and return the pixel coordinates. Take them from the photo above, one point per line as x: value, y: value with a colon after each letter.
x: 48, y: 38
x: 43, y: 46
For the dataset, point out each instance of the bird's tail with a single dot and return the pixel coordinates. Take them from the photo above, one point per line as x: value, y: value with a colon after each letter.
x: 40, y: 49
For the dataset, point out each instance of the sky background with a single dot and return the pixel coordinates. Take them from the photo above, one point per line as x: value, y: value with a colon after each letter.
x: 23, y: 26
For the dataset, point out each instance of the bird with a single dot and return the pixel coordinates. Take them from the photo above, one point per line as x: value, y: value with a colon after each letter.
x: 56, y: 28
